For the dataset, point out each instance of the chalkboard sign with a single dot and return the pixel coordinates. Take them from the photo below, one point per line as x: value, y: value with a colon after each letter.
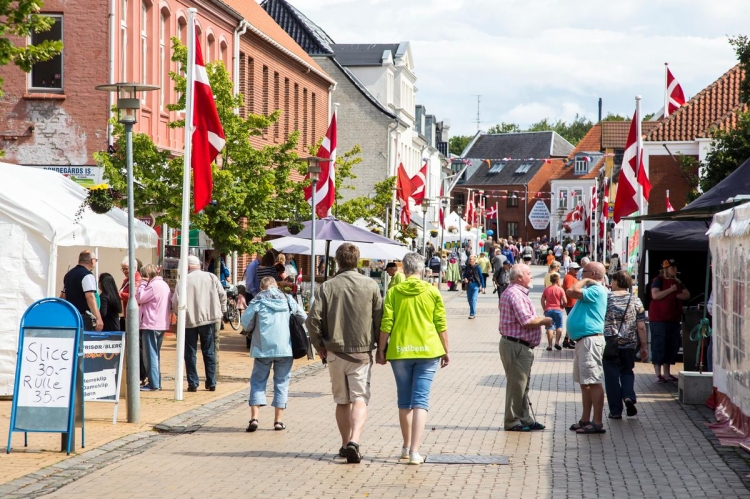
x: 48, y: 361
x: 102, y: 369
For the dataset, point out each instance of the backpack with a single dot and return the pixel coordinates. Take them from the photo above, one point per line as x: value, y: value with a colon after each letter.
x: 298, y: 334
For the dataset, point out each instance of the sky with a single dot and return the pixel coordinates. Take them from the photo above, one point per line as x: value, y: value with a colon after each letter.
x: 535, y: 59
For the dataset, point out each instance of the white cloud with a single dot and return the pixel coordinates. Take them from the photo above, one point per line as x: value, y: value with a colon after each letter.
x: 531, y: 57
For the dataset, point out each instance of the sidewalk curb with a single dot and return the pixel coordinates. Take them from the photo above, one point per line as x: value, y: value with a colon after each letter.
x: 56, y: 476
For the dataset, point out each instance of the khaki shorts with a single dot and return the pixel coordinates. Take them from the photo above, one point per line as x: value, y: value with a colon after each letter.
x: 587, y: 361
x: 350, y: 381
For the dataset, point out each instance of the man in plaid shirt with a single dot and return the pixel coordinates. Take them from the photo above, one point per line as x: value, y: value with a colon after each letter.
x: 521, y: 331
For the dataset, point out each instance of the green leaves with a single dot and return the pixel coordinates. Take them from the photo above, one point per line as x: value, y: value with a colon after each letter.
x: 573, y: 132
x: 731, y: 148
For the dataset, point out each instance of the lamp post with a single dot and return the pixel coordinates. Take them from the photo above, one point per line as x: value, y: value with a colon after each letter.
x: 128, y: 104
x: 460, y: 211
x: 313, y: 169
x: 425, y: 207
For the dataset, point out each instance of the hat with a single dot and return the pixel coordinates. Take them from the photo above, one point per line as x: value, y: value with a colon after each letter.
x: 194, y: 261
x: 668, y: 263
x: 574, y: 266
x: 391, y: 265
x: 506, y: 262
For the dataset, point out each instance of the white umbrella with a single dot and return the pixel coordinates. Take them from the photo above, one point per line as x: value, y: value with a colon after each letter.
x: 376, y: 251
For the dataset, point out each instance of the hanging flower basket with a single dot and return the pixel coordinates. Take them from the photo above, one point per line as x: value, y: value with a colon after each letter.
x: 101, y: 199
x: 376, y: 230
x: 295, y: 227
x: 433, y: 233
x: 452, y: 229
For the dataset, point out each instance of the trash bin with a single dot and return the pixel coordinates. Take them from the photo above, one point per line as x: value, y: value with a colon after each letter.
x: 691, y: 317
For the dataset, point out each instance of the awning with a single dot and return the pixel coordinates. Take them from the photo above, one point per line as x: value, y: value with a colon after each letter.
x: 698, y: 214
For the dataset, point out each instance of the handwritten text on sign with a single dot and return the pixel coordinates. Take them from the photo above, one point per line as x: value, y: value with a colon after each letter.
x: 46, y: 372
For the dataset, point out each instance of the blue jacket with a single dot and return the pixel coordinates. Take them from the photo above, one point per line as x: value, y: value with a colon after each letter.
x: 267, y: 316
x: 509, y: 255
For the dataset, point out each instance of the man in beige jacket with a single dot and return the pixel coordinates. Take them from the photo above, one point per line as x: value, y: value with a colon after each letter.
x: 343, y: 323
x: 206, y: 302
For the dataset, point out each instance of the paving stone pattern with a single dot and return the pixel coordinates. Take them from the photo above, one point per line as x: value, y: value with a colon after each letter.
x: 665, y: 452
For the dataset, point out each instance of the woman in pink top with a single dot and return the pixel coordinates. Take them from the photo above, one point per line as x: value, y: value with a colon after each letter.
x: 553, y: 302
x: 153, y: 297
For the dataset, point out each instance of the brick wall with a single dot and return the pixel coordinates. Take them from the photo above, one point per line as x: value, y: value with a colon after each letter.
x: 70, y: 126
x: 665, y: 174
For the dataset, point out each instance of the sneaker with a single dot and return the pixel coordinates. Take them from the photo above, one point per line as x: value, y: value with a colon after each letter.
x: 672, y: 378
x: 630, y: 408
x: 558, y: 347
x: 661, y: 379
x: 146, y: 388
x: 404, y: 453
x: 471, y: 317
x: 192, y: 388
x: 566, y: 344
x: 415, y: 458
x: 571, y: 344
x: 549, y: 349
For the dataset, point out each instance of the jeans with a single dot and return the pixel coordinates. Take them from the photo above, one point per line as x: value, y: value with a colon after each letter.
x: 282, y: 373
x: 414, y: 381
x: 619, y: 379
x: 151, y: 349
x: 472, y: 291
x: 206, y: 334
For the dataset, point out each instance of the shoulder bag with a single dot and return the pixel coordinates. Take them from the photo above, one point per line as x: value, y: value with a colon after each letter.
x: 298, y: 334
x: 612, y: 346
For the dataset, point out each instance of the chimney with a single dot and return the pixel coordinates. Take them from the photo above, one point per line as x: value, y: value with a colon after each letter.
x: 600, y: 109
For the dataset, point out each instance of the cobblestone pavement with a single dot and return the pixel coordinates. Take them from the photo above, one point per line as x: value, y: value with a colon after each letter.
x: 664, y: 452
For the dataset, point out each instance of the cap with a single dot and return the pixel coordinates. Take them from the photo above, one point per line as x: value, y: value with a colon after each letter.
x: 391, y: 265
x: 506, y: 262
x: 669, y: 263
x: 193, y: 261
x: 574, y: 266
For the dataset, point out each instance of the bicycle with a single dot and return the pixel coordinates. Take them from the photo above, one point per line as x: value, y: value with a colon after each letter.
x: 232, y: 315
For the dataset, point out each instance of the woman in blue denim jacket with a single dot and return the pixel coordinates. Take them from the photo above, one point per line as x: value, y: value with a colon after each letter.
x: 267, y: 320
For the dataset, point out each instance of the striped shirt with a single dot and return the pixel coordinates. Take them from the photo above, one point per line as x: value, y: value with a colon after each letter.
x: 516, y: 310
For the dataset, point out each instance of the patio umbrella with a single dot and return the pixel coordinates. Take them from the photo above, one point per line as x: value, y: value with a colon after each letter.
x: 378, y: 251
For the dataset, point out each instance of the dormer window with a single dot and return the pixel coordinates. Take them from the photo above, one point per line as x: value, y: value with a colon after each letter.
x: 582, y: 165
x: 498, y: 167
x: 525, y: 166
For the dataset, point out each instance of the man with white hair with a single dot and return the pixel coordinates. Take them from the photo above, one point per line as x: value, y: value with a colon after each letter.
x: 521, y: 331
x: 206, y: 302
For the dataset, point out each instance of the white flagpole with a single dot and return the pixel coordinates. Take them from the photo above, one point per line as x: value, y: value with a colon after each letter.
x: 638, y: 148
x: 185, y: 228
x: 595, y: 228
x: 666, y: 91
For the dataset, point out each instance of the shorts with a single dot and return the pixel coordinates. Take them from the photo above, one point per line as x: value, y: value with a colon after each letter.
x: 557, y: 319
x: 350, y: 381
x: 414, y: 381
x: 526, y: 259
x: 665, y: 342
x: 587, y: 361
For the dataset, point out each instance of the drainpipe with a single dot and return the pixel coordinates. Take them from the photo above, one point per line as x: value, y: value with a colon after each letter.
x: 112, y: 7
x: 392, y: 173
x: 238, y: 31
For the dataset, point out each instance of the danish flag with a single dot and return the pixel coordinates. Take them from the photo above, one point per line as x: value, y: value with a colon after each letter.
x: 632, y: 174
x: 605, y: 210
x: 669, y: 205
x: 675, y: 97
x: 208, y: 138
x: 419, y: 182
x: 492, y: 212
x: 325, y: 194
x: 404, y: 190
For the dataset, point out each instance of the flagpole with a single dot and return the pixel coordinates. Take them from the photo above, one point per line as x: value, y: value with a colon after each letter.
x: 595, y: 220
x: 666, y: 92
x: 639, y: 165
x: 185, y: 227
x: 497, y: 220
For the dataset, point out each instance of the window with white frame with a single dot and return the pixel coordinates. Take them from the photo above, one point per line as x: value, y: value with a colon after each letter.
x: 498, y: 167
x: 163, y: 20
x: 512, y: 229
x: 577, y: 197
x: 562, y: 199
x: 144, y: 47
x: 124, y: 40
x: 48, y: 75
x: 581, y: 165
x: 524, y: 167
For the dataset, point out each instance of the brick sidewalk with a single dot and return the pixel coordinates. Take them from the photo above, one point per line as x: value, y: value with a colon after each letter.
x: 156, y: 407
x: 663, y: 453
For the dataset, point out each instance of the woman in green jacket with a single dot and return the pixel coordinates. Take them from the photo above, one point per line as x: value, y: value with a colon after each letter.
x: 413, y: 329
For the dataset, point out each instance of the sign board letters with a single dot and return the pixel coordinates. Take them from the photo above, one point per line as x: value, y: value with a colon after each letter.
x: 539, y: 215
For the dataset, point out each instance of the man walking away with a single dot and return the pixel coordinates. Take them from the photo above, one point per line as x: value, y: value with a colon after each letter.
x: 343, y: 323
x: 586, y: 328
x: 206, y: 301
x: 521, y: 331
x: 501, y: 278
x: 79, y: 288
x: 436, y: 267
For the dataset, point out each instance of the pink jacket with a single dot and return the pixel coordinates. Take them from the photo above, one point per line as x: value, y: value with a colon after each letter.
x: 153, y: 302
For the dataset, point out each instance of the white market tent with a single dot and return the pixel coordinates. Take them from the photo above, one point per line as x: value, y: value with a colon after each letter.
x: 453, y: 220
x: 40, y: 240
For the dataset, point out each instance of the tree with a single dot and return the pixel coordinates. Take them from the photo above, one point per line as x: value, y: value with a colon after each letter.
x: 741, y: 46
x: 689, y: 166
x: 730, y: 149
x: 504, y: 128
x: 457, y: 144
x: 573, y: 132
x: 21, y: 18
x: 615, y: 117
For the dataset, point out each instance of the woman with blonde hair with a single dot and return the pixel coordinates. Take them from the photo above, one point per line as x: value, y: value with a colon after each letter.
x: 554, y: 268
x: 153, y: 295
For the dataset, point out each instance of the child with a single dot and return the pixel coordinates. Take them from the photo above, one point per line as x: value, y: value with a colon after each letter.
x: 553, y: 302
x: 241, y: 302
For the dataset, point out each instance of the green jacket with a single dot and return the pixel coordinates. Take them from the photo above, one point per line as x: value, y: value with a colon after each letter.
x: 413, y: 315
x: 397, y: 279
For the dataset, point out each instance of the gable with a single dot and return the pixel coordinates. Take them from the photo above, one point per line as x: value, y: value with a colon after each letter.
x: 308, y: 35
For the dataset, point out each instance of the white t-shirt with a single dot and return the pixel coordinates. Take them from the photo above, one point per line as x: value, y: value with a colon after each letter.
x: 88, y: 283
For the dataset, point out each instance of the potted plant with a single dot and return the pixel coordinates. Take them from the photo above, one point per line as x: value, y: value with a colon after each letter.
x: 433, y: 233
x: 101, y: 199
x: 376, y: 230
x: 295, y: 227
x: 452, y: 229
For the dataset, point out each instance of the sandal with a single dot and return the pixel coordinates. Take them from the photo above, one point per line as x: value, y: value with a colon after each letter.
x: 278, y: 426
x: 577, y: 426
x: 252, y: 426
x: 591, y: 428
x: 342, y: 452
x: 353, y: 455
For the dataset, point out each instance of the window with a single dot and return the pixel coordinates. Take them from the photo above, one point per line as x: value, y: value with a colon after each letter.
x: 296, y: 106
x: 513, y: 229
x: 124, y: 40
x: 48, y: 75
x: 577, y: 197
x: 512, y: 200
x: 313, y: 135
x: 498, y: 167
x: 619, y: 153
x: 250, y: 85
x: 265, y: 91
x: 459, y: 199
x: 524, y: 167
x: 223, y: 55
x: 286, y: 108
x: 304, y: 117
x: 163, y: 63
x: 562, y: 199
x: 144, y: 47
x: 582, y: 165
x: 276, y: 102
x: 210, y: 49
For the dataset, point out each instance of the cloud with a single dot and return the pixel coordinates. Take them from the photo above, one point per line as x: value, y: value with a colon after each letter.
x: 529, y: 57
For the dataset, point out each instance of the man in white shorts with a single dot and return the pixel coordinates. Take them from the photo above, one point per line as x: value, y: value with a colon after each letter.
x: 586, y: 328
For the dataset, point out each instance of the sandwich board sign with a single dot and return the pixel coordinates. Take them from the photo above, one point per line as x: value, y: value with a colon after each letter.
x: 47, y: 369
x: 102, y: 373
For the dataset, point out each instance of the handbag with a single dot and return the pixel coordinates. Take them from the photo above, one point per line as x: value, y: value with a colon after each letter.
x: 298, y: 334
x: 612, y: 345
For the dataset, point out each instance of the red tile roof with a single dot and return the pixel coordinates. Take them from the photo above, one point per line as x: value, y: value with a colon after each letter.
x: 615, y: 133
x: 591, y: 142
x: 715, y: 107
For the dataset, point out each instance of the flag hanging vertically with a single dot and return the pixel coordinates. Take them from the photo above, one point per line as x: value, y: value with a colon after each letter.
x: 605, y: 210
x: 674, y: 97
x: 492, y: 212
x: 632, y: 174
x: 419, y: 184
x: 669, y: 205
x: 404, y: 190
x: 442, y: 212
x: 325, y: 194
x: 208, y: 136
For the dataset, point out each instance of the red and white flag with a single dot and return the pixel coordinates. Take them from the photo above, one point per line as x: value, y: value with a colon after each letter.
x: 669, y: 205
x: 590, y: 216
x: 325, y: 194
x: 469, y: 215
x: 632, y: 175
x: 207, y: 138
x: 675, y: 98
x: 492, y: 212
x: 442, y: 212
x: 419, y: 183
x: 605, y: 210
x: 404, y: 190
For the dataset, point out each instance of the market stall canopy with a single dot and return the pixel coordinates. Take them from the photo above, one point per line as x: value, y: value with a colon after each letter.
x: 375, y: 251
x: 46, y: 202
x: 333, y: 229
x: 693, y: 214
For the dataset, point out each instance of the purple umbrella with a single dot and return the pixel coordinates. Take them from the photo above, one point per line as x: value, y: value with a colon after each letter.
x: 333, y: 229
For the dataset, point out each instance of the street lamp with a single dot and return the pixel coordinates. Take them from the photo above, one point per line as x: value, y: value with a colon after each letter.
x: 425, y: 207
x: 128, y: 105
x: 313, y: 170
x: 460, y: 211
